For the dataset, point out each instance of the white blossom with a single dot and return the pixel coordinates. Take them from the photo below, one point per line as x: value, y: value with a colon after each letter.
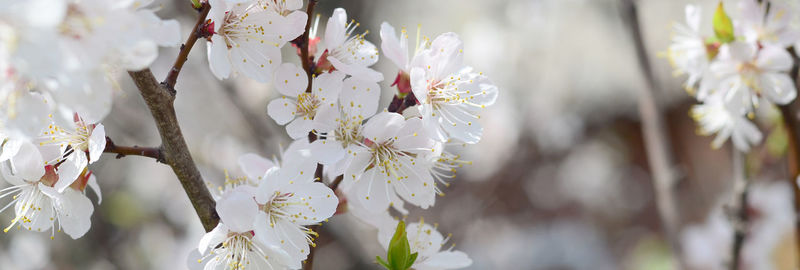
x: 394, y: 161
x: 80, y: 144
x: 39, y: 206
x: 743, y: 72
x: 348, y: 52
x: 714, y: 117
x: 232, y: 244
x: 247, y: 38
x: 300, y: 108
x: 688, y: 53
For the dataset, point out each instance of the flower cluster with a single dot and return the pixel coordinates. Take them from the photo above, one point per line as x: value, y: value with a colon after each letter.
x: 57, y: 59
x: 744, y: 64
x: 378, y: 159
x: 347, y: 154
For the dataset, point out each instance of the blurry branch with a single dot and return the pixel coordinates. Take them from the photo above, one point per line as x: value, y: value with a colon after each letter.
x: 737, y: 210
x: 657, y: 142
x: 183, y: 55
x: 790, y: 120
x: 160, y: 99
x: 122, y: 151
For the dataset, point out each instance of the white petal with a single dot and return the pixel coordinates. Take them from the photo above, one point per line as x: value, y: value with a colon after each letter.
x: 359, y: 98
x: 373, y: 191
x: 773, y: 58
x: 327, y: 151
x: 327, y: 86
x: 355, y: 70
x: 69, y: 171
x: 97, y: 143
x: 778, y: 88
x: 290, y: 80
x: 299, y: 127
x: 335, y: 34
x: 282, y: 110
x: 446, y: 260
x: 316, y: 203
x: 382, y: 126
x: 28, y: 163
x: 419, y: 83
x: 254, y: 166
x: 76, y: 212
x: 394, y: 49
x: 255, y: 60
x: 213, y: 238
x: 218, y: 57
x: 327, y: 117
x: 237, y: 209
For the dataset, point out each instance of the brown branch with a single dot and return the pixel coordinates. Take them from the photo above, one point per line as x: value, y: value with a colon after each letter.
x: 183, y: 55
x: 304, y: 43
x: 336, y: 182
x: 160, y: 99
x: 738, y: 208
x: 122, y: 151
x: 659, y: 155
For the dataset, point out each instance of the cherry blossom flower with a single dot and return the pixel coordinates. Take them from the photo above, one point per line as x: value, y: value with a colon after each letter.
x: 451, y: 95
x: 742, y: 73
x: 358, y: 101
x: 81, y: 145
x: 300, y: 108
x: 232, y: 244
x: 425, y: 240
x: 769, y: 26
x: 688, y: 53
x: 714, y: 117
x: 394, y: 161
x: 289, y: 200
x: 348, y: 52
x: 39, y: 206
x: 247, y: 37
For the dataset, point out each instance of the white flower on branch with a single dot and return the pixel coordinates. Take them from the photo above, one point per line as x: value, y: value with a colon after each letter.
x: 768, y: 26
x: 247, y: 37
x: 450, y: 93
x: 346, y: 51
x: 37, y: 204
x: 358, y: 101
x: 80, y: 144
x: 742, y: 73
x: 425, y: 240
x: 714, y: 117
x: 289, y: 200
x: 300, y: 108
x: 394, y: 161
x: 232, y: 244
x: 688, y: 53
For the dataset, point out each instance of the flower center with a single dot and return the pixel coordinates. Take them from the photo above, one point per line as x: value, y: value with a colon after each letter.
x: 307, y: 104
x: 237, y: 252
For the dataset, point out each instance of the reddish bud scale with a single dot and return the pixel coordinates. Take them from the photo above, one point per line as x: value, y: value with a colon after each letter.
x: 403, y: 83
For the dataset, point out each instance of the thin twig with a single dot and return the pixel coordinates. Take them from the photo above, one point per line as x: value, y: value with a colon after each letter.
x: 336, y: 182
x: 160, y: 99
x: 183, y: 55
x: 738, y: 208
x: 304, y: 44
x: 659, y: 154
x: 122, y: 151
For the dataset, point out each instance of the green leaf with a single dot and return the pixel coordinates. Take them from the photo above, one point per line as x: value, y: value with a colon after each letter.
x: 723, y: 27
x: 411, y: 260
x: 383, y: 263
x: 196, y: 4
x: 399, y: 250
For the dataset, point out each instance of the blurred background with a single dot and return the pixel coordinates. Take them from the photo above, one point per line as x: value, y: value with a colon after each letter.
x: 560, y: 179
